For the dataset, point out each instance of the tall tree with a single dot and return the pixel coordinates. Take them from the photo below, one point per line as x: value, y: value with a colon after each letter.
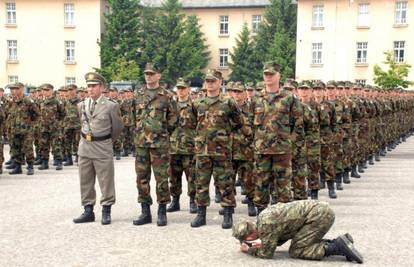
x: 241, y: 58
x: 121, y: 38
x: 395, y: 76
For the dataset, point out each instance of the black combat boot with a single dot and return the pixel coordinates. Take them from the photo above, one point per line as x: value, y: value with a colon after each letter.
x: 193, y: 206
x: 117, y: 155
x: 69, y: 161
x: 200, y: 219
x: 55, y: 162
x: 322, y: 183
x: 59, y: 165
x: 377, y: 156
x: 17, y: 169
x: 364, y: 164
x: 354, y: 172
x: 106, y: 215
x: 314, y: 194
x: 221, y: 211
x: 331, y: 189
x: 338, y: 180
x: 11, y: 166
x: 228, y: 218
x: 245, y: 200
x: 383, y: 152
x: 145, y: 216
x: 162, y: 215
x: 30, y: 170
x: 251, y: 209
x: 237, y: 183
x: 345, y: 176
x: 360, y: 168
x: 342, y: 246
x: 217, y: 197
x: 87, y: 216
x: 44, y: 165
x: 371, y: 160
x: 175, y: 204
x: 125, y: 153
x: 9, y: 162
x: 259, y: 210
x: 273, y: 201
x: 38, y: 161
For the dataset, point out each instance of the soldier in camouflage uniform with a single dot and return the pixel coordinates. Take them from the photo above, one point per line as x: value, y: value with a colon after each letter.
x: 52, y: 113
x: 276, y: 118
x: 126, y: 106
x: 38, y: 98
x: 82, y: 93
x: 71, y: 125
x: 2, y: 123
x: 113, y: 94
x: 182, y: 148
x: 155, y: 119
x: 305, y: 222
x: 218, y: 118
x: 22, y: 113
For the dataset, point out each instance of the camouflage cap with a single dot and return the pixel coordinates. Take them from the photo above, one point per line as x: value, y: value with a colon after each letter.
x: 260, y: 86
x: 32, y: 90
x: 348, y: 84
x: 290, y: 84
x: 331, y: 84
x: 318, y: 85
x: 303, y: 85
x: 46, y: 86
x: 213, y: 74
x: 113, y: 89
x: 181, y: 82
x: 241, y: 229
x: 271, y: 67
x: 63, y: 89
x: 340, y: 85
x: 81, y: 89
x: 15, y: 86
x: 238, y: 87
x: 71, y: 87
x: 151, y: 68
x: 249, y: 86
x: 94, y: 78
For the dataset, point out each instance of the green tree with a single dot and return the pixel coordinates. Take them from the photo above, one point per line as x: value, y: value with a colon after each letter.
x: 121, y: 70
x: 241, y: 58
x: 396, y: 75
x: 121, y: 38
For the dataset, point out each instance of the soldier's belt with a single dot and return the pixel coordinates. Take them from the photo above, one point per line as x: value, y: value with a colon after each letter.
x: 92, y: 138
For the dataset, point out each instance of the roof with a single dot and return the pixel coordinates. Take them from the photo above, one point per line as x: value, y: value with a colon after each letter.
x: 188, y: 4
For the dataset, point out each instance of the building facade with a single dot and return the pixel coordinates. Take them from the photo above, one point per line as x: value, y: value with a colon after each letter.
x: 54, y: 41
x: 344, y: 39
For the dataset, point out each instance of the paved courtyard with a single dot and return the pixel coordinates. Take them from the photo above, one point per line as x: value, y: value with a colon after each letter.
x: 36, y: 226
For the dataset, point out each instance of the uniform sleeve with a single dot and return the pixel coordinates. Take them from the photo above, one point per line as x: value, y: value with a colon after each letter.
x: 117, y: 124
x: 298, y: 131
x: 172, y: 116
x: 34, y: 111
x: 269, y: 237
x: 236, y: 120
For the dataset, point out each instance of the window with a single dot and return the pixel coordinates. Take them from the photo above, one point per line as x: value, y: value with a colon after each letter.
x: 363, y: 16
x: 224, y: 25
x: 69, y: 14
x: 399, y: 51
x: 361, y: 82
x: 224, y: 57
x: 256, y: 22
x: 317, y: 18
x: 13, y: 79
x: 70, y: 51
x: 12, y: 49
x: 11, y: 13
x: 316, y: 53
x: 70, y: 80
x: 401, y: 12
x: 362, y: 51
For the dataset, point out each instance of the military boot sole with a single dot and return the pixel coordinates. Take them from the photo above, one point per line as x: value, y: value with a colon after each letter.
x: 84, y: 220
x: 15, y: 172
x: 142, y: 221
x: 349, y: 250
x: 199, y: 223
x: 106, y: 221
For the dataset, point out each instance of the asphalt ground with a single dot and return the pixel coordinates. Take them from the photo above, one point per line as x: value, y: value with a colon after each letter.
x: 36, y: 227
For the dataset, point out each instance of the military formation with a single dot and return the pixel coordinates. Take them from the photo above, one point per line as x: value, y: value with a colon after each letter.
x: 278, y: 142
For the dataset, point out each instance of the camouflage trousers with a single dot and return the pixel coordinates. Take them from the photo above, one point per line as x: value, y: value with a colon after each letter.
x: 21, y: 147
x: 338, y: 156
x: 221, y: 169
x: 276, y: 169
x: 299, y: 174
x: 126, y: 137
x: 180, y: 164
x: 314, y: 167
x: 244, y: 170
x: 308, y: 242
x: 70, y: 146
x: 327, y: 161
x: 354, y: 144
x: 36, y: 142
x: 1, y: 150
x: 159, y: 160
x: 346, y: 147
x: 51, y: 139
x: 117, y: 146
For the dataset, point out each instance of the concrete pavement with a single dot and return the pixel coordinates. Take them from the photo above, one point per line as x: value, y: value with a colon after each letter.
x: 36, y: 226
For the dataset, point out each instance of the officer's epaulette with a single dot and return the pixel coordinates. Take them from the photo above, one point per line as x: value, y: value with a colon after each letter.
x: 112, y: 100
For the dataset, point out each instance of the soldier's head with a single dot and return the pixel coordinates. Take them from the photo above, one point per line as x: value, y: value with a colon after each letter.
x: 113, y: 93
x: 239, y: 92
x: 1, y: 92
x: 16, y: 90
x: 271, y: 74
x: 304, y: 91
x: 183, y: 89
x: 96, y: 84
x: 152, y: 75
x: 250, y: 90
x: 63, y: 92
x: 244, y: 230
x: 213, y: 81
x: 72, y: 90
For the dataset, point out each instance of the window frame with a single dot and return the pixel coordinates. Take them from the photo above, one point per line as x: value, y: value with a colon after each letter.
x: 224, y: 57
x: 361, y: 14
x: 399, y: 51
x: 256, y: 20
x: 12, y: 50
x: 11, y: 13
x: 70, y: 80
x: 362, y: 53
x: 69, y: 14
x: 13, y: 78
x: 70, y: 51
x: 399, y: 11
x: 317, y: 16
x: 317, y: 49
x: 223, y: 25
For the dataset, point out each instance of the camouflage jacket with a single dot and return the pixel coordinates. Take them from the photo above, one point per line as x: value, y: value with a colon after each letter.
x: 2, y: 118
x: 52, y: 112
x: 311, y: 127
x: 217, y: 119
x: 72, y: 118
x: 182, y: 139
x: 327, y: 121
x: 126, y: 106
x: 277, y: 121
x: 243, y: 145
x: 22, y: 113
x: 281, y: 222
x: 155, y: 118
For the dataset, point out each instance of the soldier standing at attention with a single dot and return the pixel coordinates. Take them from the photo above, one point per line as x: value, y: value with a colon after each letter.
x: 113, y: 94
x: 276, y: 118
x: 22, y: 113
x: 155, y: 118
x: 71, y: 125
x: 218, y: 117
x: 100, y: 125
x: 182, y: 148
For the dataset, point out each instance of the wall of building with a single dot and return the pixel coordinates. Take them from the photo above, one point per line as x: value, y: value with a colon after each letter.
x: 340, y: 33
x: 40, y: 35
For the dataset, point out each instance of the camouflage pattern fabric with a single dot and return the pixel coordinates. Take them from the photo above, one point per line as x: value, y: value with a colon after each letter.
x: 327, y: 129
x: 71, y: 127
x: 313, y: 144
x: 180, y: 164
